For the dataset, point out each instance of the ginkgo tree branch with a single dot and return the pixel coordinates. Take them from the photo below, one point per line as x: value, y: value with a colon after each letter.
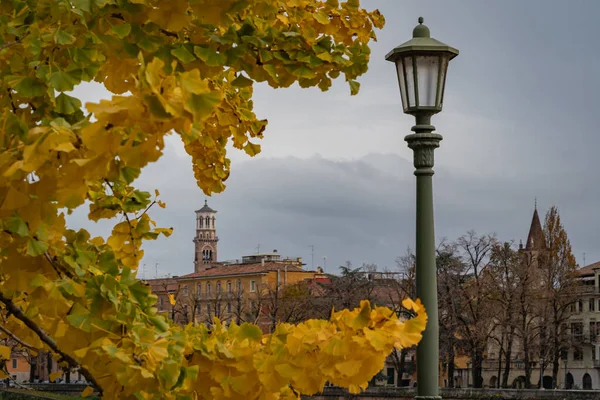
x: 44, y: 337
x: 17, y: 339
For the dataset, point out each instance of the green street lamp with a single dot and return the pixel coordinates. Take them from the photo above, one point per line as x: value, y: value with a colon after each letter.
x: 421, y: 65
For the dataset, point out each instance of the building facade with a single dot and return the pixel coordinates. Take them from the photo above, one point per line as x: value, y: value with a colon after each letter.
x: 579, y: 366
x: 239, y: 290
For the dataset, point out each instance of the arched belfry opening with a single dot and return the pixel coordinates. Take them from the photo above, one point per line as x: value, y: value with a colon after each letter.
x: 206, y: 239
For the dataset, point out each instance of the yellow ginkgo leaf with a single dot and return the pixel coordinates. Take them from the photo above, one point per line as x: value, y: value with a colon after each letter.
x: 4, y: 353
x: 87, y: 391
x: 54, y: 376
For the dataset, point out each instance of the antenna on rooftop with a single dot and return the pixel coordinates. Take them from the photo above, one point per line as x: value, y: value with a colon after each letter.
x: 584, y: 259
x: 258, y: 249
x: 312, y: 255
x: 156, y: 273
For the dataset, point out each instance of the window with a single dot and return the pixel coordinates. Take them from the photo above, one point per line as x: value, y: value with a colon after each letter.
x: 252, y: 286
x: 229, y: 307
x: 252, y: 305
x: 229, y: 287
x: 390, y: 376
x: 185, y: 309
x: 218, y: 287
x: 198, y: 289
x: 577, y: 354
x: 594, y: 330
x: 580, y: 305
x: 14, y: 362
x: 185, y: 290
x: 208, y: 289
x: 577, y: 331
x: 592, y: 305
x: 161, y: 301
x: 239, y: 286
x: 208, y: 310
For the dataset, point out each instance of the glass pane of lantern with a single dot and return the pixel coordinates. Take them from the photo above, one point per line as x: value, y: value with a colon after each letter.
x: 442, y: 82
x: 427, y: 69
x: 410, y: 80
x: 401, y: 82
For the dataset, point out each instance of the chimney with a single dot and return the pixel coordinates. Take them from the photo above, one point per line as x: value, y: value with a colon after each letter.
x: 262, y: 261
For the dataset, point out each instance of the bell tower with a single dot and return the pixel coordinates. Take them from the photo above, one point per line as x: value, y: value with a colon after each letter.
x: 205, y: 241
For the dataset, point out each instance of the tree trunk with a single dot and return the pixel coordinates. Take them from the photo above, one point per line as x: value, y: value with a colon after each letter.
x: 507, y: 358
x: 451, y: 356
x: 401, y: 364
x: 32, y: 367
x: 477, y: 357
x: 527, y: 366
x: 49, y: 364
x: 500, y: 352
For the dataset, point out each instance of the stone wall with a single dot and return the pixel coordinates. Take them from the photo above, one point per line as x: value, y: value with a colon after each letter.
x: 386, y: 393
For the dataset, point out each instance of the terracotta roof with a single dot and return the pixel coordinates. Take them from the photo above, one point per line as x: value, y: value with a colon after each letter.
x: 588, y: 269
x: 536, y: 239
x: 244, y: 269
x: 159, y: 285
x: 206, y: 208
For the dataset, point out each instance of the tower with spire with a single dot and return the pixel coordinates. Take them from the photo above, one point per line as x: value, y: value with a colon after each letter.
x: 206, y: 239
x: 536, y: 239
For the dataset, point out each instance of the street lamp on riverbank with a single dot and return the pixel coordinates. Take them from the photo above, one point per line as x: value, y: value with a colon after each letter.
x: 421, y: 65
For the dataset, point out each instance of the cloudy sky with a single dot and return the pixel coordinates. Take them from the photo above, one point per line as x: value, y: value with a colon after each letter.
x: 335, y: 172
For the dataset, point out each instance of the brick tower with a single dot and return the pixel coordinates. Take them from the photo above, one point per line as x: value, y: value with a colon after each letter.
x: 205, y: 252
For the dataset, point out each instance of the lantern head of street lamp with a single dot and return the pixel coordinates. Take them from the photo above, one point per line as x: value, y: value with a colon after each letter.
x: 421, y: 65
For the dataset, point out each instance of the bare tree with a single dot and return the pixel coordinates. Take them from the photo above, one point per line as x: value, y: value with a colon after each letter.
x: 474, y: 315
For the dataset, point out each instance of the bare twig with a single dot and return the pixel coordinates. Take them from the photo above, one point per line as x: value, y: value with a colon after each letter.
x: 44, y: 337
x: 16, y: 339
x: 59, y: 269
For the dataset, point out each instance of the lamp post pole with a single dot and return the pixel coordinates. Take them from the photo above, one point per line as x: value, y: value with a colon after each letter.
x: 423, y: 143
x: 421, y: 66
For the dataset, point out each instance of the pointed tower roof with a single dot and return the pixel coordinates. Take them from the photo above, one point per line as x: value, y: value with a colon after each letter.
x: 536, y: 239
x: 206, y: 208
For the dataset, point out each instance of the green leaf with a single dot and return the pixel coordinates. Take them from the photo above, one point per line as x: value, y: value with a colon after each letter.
x: 130, y: 174
x: 249, y: 331
x: 290, y: 34
x: 121, y: 30
x: 160, y: 323
x: 252, y: 149
x: 202, y: 105
x: 304, y: 72
x: 156, y: 107
x: 321, y: 17
x: 64, y: 37
x: 183, y: 55
x: 210, y: 57
x: 66, y: 104
x: 28, y: 87
x: 83, y: 5
x: 64, y: 81
x: 15, y: 224
x: 79, y: 317
x: 242, y: 81
x: 36, y: 248
x: 354, y: 87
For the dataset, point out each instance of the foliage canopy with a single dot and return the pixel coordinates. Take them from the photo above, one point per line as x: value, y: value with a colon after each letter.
x: 182, y: 66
